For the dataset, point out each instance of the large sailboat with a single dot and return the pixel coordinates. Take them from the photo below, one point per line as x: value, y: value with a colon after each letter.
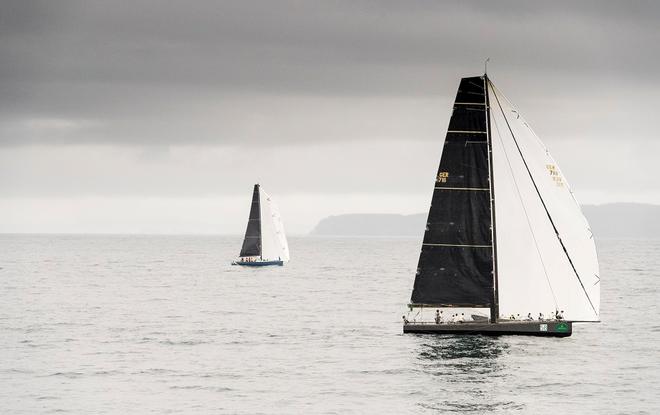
x: 265, y: 241
x: 506, y: 249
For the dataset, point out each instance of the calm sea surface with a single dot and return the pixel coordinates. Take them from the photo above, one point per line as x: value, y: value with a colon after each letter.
x: 163, y: 324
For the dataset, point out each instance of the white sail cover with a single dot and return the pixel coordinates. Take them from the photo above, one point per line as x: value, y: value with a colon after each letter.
x: 546, y: 257
x: 273, y: 239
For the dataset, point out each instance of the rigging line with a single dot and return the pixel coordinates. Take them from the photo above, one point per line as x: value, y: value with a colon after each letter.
x: 570, y: 261
x: 529, y: 222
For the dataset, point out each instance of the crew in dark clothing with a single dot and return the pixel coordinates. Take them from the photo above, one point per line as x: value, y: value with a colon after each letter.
x: 438, y: 316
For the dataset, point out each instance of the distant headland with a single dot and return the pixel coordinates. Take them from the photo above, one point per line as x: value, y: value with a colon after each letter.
x: 614, y: 220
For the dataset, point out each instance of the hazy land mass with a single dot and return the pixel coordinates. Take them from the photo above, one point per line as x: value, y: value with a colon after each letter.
x: 615, y: 220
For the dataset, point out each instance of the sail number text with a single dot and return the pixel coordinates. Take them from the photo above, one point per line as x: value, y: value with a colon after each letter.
x: 554, y: 173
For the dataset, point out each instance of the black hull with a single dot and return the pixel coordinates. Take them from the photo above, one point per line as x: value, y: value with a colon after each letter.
x: 504, y: 328
x: 258, y: 263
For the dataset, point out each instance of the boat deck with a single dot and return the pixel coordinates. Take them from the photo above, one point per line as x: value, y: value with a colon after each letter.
x: 551, y: 328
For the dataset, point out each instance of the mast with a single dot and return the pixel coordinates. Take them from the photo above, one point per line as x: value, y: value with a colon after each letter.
x: 257, y: 191
x: 494, y: 305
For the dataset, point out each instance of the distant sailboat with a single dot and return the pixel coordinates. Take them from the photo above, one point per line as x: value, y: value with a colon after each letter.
x: 265, y: 241
x: 504, y: 231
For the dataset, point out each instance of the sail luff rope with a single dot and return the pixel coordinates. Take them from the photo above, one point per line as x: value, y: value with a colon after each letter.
x: 570, y: 261
x: 529, y: 222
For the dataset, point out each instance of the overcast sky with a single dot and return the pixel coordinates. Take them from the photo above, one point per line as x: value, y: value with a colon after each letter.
x: 154, y: 116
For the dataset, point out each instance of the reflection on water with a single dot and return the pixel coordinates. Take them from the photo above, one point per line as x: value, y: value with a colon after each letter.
x: 471, y: 373
x: 450, y: 347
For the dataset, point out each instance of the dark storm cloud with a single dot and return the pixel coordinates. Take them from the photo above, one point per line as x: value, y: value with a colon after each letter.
x: 147, y: 72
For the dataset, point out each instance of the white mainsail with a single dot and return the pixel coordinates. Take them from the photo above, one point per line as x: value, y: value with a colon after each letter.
x: 274, y: 245
x: 546, y: 256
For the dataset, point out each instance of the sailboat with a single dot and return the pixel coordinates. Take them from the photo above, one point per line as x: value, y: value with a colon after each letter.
x: 506, y: 243
x: 265, y: 241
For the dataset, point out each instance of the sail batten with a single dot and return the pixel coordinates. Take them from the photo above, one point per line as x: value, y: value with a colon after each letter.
x: 487, y: 189
x: 461, y: 245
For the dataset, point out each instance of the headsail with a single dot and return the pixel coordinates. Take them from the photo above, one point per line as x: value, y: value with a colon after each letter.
x: 456, y: 263
x: 545, y: 250
x: 252, y: 241
x: 275, y: 246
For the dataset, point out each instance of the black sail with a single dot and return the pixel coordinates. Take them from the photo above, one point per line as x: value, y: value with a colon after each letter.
x: 456, y: 263
x: 252, y: 241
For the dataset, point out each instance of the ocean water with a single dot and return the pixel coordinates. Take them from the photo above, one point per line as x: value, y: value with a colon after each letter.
x: 163, y: 324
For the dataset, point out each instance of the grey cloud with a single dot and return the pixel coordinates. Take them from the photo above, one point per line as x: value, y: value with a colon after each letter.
x: 147, y: 71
